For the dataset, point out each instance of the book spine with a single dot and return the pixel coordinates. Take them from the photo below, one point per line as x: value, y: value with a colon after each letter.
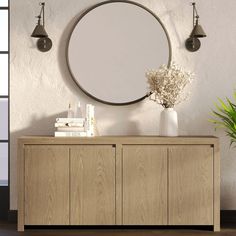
x: 69, y: 120
x: 72, y: 124
x: 90, y: 120
x: 70, y: 134
x: 87, y: 119
x: 71, y: 129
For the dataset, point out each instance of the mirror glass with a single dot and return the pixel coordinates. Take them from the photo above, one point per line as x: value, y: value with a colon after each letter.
x: 111, y: 47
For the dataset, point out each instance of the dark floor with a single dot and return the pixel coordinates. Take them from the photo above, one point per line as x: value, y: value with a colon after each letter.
x: 9, y: 229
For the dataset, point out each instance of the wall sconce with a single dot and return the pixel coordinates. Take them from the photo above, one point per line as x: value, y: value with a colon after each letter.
x: 44, y: 43
x: 193, y: 43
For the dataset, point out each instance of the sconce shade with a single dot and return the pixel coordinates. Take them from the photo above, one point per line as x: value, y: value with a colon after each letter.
x: 197, y: 32
x: 39, y: 32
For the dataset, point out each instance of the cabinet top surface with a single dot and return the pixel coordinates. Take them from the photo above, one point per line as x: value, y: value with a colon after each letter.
x: 119, y: 140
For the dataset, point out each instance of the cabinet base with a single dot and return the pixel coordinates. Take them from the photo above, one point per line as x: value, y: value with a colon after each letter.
x: 122, y: 227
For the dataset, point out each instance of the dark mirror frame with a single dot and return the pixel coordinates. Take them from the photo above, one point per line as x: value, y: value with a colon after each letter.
x: 100, y: 4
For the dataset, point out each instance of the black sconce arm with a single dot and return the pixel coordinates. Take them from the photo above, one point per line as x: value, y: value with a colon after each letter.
x: 42, y: 11
x: 195, y: 14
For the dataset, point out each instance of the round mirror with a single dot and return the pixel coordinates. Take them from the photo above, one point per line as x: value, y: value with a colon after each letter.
x: 111, y: 47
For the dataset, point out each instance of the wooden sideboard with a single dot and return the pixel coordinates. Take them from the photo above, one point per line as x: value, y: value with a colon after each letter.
x: 119, y: 180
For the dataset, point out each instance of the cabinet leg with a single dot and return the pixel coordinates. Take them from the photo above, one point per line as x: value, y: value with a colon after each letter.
x: 20, y: 227
x: 216, y: 228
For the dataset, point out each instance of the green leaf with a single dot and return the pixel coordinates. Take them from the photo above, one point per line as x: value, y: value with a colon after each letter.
x: 224, y: 106
x: 225, y: 117
x: 234, y: 95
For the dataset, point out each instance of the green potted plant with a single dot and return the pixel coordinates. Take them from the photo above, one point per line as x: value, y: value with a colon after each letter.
x: 225, y: 117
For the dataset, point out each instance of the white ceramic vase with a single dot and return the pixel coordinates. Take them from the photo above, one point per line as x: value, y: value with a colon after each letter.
x: 169, y: 122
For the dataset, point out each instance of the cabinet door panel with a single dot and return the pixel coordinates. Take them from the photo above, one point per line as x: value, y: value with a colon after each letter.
x: 46, y: 185
x: 92, y: 185
x: 191, y: 185
x: 144, y: 185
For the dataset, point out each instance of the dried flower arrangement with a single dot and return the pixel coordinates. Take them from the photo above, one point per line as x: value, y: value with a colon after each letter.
x: 167, y: 84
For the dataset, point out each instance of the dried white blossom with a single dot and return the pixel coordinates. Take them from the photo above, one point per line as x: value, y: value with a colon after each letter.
x: 167, y: 84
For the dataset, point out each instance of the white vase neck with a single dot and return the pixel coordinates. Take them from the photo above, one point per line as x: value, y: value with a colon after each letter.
x: 169, y: 108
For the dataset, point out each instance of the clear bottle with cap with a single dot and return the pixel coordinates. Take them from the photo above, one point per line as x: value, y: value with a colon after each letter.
x: 78, y: 112
x: 70, y: 113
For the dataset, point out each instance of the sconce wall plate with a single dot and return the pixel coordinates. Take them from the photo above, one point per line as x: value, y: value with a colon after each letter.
x: 44, y: 44
x: 192, y: 44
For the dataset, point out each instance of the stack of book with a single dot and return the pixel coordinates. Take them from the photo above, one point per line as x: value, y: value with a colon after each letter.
x: 76, y: 127
x: 70, y: 127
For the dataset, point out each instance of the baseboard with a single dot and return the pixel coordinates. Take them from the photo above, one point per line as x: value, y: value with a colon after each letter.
x: 5, y: 213
x: 4, y: 202
x: 12, y: 216
x: 226, y: 216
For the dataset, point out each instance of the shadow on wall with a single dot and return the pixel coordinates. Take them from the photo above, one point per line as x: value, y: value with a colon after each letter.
x: 129, y: 127
x: 38, y: 126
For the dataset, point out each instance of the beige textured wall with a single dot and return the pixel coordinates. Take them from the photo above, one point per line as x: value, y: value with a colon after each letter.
x: 41, y: 86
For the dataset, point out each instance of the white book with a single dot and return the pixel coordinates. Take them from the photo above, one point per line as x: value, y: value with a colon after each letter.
x: 87, y: 119
x: 90, y: 120
x: 70, y: 134
x: 72, y: 124
x: 70, y: 120
x: 71, y: 129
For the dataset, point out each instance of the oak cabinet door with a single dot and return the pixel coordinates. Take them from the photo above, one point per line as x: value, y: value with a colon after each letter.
x: 46, y: 185
x: 92, y: 187
x: 144, y: 185
x: 191, y: 185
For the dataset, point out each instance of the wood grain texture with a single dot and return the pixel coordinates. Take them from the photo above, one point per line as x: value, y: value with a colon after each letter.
x: 216, y: 187
x: 21, y: 192
x: 104, y: 187
x: 46, y: 185
x: 119, y: 186
x: 144, y: 185
x: 92, y: 185
x: 149, y: 140
x: 191, y: 185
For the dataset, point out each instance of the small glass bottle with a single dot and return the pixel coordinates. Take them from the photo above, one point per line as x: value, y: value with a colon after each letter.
x: 78, y: 113
x: 70, y: 113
